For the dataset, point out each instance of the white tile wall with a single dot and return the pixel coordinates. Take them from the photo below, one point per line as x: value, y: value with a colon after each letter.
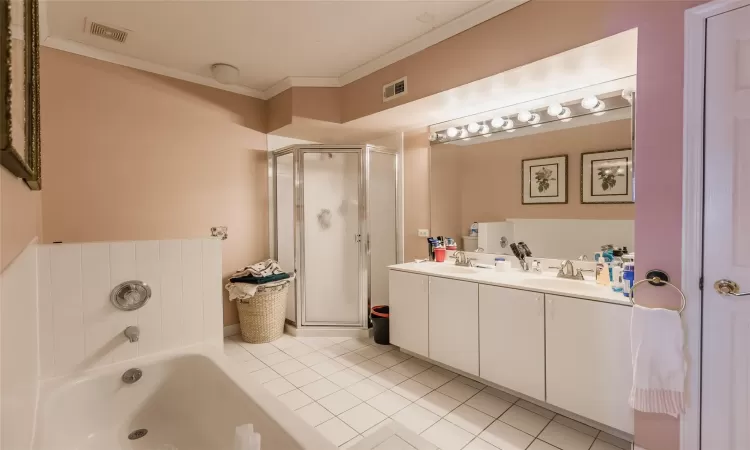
x: 19, y: 362
x: 79, y: 327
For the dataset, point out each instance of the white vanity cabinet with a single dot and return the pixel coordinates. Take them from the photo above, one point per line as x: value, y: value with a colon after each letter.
x: 511, y: 339
x: 409, y: 311
x: 589, y: 369
x: 453, y: 319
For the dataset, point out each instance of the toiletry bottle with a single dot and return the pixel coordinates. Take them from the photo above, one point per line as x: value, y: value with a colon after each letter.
x: 602, y: 272
x: 474, y: 229
x: 628, y: 277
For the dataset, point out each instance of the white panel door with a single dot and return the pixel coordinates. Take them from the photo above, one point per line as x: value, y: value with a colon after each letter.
x: 589, y: 369
x: 726, y: 318
x: 511, y: 339
x: 454, y: 324
x: 408, y: 311
x: 382, y: 223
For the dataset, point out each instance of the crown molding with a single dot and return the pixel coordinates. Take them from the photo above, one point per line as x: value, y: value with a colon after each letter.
x: 458, y: 25
x: 432, y: 37
x: 136, y: 63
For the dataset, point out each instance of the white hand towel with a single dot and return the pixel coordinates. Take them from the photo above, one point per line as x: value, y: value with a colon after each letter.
x: 656, y: 340
x: 245, y: 438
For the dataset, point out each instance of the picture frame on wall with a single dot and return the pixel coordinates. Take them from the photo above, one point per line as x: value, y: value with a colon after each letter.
x: 544, y: 180
x: 607, y: 177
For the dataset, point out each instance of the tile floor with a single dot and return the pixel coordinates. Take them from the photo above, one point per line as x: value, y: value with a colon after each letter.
x: 350, y: 388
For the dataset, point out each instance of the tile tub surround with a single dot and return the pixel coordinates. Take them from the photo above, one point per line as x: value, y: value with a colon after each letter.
x: 19, y: 354
x: 78, y: 326
x: 450, y: 411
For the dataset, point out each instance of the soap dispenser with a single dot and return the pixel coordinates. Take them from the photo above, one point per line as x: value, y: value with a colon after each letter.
x: 602, y: 272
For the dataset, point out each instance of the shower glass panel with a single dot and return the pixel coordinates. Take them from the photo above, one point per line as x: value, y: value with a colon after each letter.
x: 285, y: 223
x: 332, y: 237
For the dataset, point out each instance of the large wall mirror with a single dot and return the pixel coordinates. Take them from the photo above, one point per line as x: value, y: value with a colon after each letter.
x: 19, y: 85
x: 556, y: 173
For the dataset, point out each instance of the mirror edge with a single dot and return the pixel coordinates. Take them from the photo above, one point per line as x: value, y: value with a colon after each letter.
x: 29, y: 169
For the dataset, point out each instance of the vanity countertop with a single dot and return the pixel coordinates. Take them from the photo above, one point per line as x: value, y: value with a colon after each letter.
x: 546, y: 282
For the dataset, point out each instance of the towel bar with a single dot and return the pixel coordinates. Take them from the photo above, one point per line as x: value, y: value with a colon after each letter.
x: 658, y: 278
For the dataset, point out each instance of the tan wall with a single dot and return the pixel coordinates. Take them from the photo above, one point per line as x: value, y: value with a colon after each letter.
x: 416, y: 193
x: 490, y: 176
x: 132, y: 155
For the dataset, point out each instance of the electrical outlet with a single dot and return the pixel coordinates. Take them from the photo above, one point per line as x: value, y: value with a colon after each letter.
x: 423, y: 233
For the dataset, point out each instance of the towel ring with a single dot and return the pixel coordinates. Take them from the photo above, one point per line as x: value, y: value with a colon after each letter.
x: 658, y: 281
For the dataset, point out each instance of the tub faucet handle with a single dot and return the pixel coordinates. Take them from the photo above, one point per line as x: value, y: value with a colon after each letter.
x: 132, y: 333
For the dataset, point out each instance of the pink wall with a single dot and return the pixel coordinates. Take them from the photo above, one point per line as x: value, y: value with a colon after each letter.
x: 20, y: 218
x: 490, y: 176
x: 416, y: 193
x: 132, y: 155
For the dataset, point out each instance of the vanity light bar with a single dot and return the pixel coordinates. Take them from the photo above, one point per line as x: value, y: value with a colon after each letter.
x: 536, y: 118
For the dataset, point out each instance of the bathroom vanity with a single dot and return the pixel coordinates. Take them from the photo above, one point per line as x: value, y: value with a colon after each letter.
x: 563, y: 342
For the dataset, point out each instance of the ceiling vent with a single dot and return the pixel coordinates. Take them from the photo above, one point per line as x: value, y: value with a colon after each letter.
x: 394, y: 90
x: 107, y: 32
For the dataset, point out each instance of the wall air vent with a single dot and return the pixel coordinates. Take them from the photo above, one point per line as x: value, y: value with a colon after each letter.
x: 394, y: 89
x: 107, y: 32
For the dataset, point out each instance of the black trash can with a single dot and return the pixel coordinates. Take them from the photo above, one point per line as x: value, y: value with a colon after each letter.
x: 379, y: 317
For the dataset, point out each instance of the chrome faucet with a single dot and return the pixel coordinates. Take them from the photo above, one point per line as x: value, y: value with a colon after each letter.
x: 536, y: 266
x: 462, y: 259
x: 132, y: 333
x: 568, y: 271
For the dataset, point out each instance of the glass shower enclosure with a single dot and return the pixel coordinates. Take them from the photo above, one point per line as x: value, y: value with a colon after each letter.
x: 335, y: 215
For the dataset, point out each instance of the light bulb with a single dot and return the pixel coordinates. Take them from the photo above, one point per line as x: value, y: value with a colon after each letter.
x: 508, y: 125
x: 555, y: 109
x: 433, y: 137
x: 452, y: 132
x: 497, y: 122
x: 473, y: 127
x: 524, y: 116
x: 534, y: 119
x: 464, y: 133
x: 627, y: 94
x: 590, y: 102
x: 485, y: 129
x: 599, y: 110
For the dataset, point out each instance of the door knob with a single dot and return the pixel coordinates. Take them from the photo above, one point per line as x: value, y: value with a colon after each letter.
x: 729, y: 287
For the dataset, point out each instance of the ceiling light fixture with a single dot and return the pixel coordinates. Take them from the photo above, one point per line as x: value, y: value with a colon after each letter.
x: 473, y: 127
x: 452, y: 132
x: 225, y: 73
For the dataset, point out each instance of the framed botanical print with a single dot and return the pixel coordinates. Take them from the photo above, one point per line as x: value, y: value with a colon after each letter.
x: 545, y: 180
x: 607, y: 177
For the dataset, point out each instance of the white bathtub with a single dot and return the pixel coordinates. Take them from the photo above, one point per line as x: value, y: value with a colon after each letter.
x: 192, y: 400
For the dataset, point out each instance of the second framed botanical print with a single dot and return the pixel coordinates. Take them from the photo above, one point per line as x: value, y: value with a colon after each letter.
x: 607, y: 177
x: 545, y: 180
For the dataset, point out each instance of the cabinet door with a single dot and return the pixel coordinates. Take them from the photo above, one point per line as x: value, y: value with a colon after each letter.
x: 454, y: 327
x: 589, y: 369
x: 408, y: 311
x: 511, y: 339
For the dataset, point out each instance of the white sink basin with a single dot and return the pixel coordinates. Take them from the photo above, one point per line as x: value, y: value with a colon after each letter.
x: 455, y: 269
x: 564, y: 285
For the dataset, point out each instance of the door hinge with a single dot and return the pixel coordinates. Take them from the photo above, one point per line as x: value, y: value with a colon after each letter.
x: 700, y: 284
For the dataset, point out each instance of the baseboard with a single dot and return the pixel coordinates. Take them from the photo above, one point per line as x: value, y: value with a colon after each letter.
x: 326, y: 331
x: 231, y: 330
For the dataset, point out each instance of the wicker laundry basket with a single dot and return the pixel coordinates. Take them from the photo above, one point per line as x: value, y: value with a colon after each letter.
x: 262, y: 316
